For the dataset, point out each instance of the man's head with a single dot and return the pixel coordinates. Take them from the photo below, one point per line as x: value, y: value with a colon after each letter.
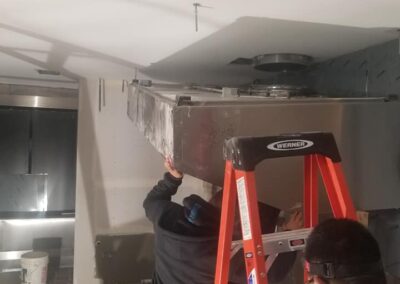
x: 343, y: 251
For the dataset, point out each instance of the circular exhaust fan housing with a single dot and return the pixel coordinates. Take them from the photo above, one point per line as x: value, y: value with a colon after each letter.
x: 282, y: 62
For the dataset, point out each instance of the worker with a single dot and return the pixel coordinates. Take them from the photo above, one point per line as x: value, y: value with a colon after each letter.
x: 341, y: 251
x: 186, y: 237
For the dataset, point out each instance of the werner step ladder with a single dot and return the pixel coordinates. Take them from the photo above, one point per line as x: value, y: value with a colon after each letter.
x: 242, y: 154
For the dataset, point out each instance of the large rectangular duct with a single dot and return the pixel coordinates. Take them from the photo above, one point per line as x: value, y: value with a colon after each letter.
x: 191, y: 126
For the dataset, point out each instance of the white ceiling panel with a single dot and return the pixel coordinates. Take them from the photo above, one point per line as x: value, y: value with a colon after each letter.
x: 207, y: 61
x: 145, y: 33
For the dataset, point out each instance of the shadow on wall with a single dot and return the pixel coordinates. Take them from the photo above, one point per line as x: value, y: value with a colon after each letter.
x: 89, y: 161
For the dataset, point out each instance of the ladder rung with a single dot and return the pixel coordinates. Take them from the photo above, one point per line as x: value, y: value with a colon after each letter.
x: 276, y: 243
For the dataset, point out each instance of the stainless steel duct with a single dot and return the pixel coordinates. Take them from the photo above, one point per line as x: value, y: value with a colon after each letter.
x: 191, y: 126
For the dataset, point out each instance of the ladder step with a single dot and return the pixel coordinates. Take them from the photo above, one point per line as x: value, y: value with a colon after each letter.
x: 279, y: 242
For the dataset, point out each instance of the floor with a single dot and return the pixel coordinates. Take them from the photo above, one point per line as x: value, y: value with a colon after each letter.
x: 63, y: 276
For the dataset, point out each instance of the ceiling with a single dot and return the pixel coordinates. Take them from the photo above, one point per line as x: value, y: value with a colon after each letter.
x: 112, y: 38
x: 207, y: 61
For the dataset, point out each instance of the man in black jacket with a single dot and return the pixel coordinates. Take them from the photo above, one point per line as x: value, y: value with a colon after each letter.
x: 186, y: 237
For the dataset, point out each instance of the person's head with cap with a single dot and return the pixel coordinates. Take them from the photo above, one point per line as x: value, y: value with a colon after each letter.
x: 342, y: 251
x: 201, y: 213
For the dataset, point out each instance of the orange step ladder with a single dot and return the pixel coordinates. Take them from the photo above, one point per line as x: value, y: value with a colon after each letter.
x: 242, y: 154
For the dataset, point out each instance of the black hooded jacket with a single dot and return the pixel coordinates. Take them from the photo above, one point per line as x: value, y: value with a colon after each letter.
x: 186, y: 253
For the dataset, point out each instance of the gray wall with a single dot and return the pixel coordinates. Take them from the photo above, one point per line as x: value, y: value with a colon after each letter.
x: 116, y: 168
x: 374, y: 71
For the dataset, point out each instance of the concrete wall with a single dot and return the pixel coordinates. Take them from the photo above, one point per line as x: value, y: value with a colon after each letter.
x: 116, y: 167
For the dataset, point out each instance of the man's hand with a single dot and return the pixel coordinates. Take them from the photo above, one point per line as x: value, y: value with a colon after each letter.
x: 171, y: 169
x: 295, y: 221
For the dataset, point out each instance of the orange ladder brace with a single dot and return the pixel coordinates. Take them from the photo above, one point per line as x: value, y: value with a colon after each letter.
x: 242, y: 154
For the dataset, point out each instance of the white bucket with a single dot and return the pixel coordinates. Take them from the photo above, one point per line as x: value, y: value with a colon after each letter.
x: 34, y: 267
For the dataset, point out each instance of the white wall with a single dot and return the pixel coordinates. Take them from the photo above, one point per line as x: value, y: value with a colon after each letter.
x: 116, y: 167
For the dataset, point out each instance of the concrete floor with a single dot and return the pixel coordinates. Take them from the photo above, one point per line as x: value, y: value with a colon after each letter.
x: 63, y: 276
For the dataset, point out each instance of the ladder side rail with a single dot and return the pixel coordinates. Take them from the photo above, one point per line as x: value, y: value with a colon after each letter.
x: 226, y: 225
x: 310, y: 198
x: 310, y: 195
x: 336, y: 188
x: 251, y: 227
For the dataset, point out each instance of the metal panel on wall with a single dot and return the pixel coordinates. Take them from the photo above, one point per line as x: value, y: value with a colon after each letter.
x: 54, y: 153
x: 22, y: 193
x: 14, y: 140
